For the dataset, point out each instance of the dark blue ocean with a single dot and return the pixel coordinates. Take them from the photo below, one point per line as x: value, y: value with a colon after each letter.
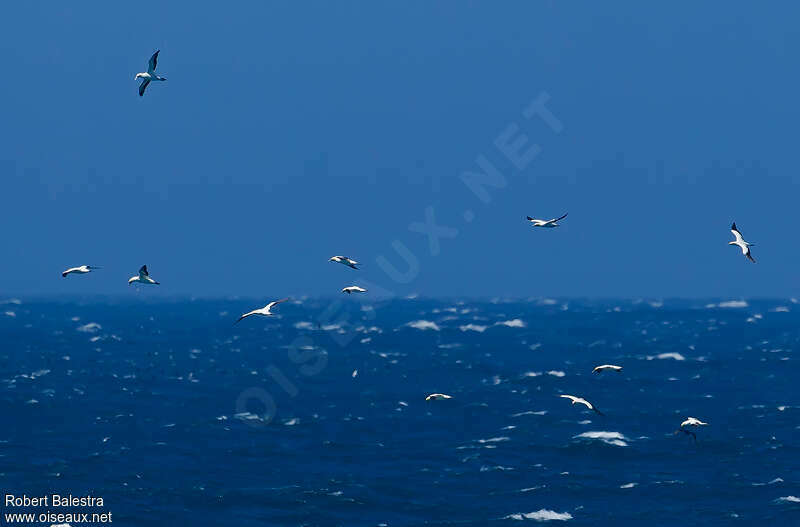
x: 174, y: 416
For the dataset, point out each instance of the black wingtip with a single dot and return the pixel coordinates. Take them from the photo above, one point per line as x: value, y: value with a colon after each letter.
x: 733, y: 226
x: 529, y: 218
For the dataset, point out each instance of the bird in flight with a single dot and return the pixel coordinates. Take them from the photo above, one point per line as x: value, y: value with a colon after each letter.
x: 143, y: 277
x: 549, y: 224
x: 604, y: 367
x: 353, y: 289
x: 344, y: 260
x: 692, y: 421
x: 438, y: 397
x: 743, y: 245
x: 265, y: 311
x: 581, y: 400
x: 150, y: 74
x: 83, y: 269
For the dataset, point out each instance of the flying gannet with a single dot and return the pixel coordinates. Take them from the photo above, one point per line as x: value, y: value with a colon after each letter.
x: 353, y: 289
x: 438, y: 397
x: 581, y: 400
x: 143, y: 277
x: 549, y: 224
x: 604, y: 367
x: 691, y: 421
x: 344, y: 260
x: 83, y: 269
x: 150, y: 74
x: 743, y: 245
x: 264, y: 311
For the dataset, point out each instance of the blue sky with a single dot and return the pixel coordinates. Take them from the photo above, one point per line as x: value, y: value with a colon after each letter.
x: 289, y: 132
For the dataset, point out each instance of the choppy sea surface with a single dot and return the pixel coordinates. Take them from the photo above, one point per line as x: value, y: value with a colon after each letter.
x: 175, y: 416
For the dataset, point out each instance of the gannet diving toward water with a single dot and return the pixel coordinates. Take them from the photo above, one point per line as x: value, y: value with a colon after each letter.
x: 83, y: 269
x: 143, y: 277
x: 581, y: 400
x: 353, y: 289
x: 743, y: 245
x: 344, y: 260
x: 264, y: 311
x: 603, y: 367
x: 150, y: 74
x: 549, y: 224
x: 438, y: 397
x: 691, y: 421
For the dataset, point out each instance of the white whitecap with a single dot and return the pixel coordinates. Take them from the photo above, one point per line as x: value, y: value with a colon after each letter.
x: 672, y: 355
x: 91, y: 327
x: 473, y: 327
x: 730, y: 304
x: 542, y: 515
x: 790, y: 499
x: 628, y: 485
x: 610, y: 438
x: 556, y: 373
x: 423, y: 325
x: 514, y: 323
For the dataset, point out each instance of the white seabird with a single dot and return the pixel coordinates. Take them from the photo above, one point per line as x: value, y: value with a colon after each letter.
x: 83, y: 269
x: 438, y: 397
x: 743, y: 245
x: 150, y: 74
x: 353, y: 289
x: 581, y: 400
x: 549, y: 224
x: 604, y: 367
x: 692, y: 421
x: 264, y: 311
x: 143, y: 277
x: 344, y: 260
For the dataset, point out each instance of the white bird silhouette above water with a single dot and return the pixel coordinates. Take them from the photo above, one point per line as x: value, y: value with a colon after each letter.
x: 83, y: 269
x: 150, y: 74
x: 344, y: 260
x: 604, y: 367
x: 142, y: 278
x: 264, y: 311
x: 353, y: 289
x: 581, y: 400
x: 743, y: 245
x: 438, y: 397
x: 692, y: 421
x: 548, y: 224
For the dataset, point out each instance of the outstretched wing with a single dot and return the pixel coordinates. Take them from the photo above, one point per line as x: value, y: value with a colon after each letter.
x: 143, y: 271
x: 736, y: 233
x: 555, y: 219
x: 143, y: 86
x: 151, y: 65
x: 245, y: 316
x: 275, y: 303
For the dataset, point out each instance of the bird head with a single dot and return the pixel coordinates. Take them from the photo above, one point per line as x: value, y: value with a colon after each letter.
x: 137, y: 76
